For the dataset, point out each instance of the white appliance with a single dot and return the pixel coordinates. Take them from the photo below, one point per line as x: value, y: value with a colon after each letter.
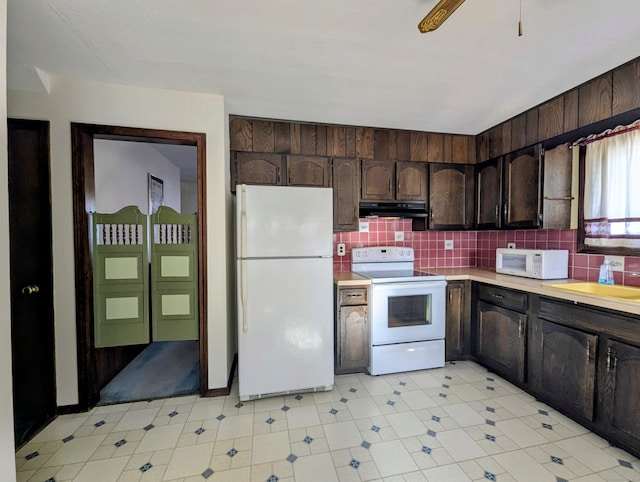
x: 284, y: 242
x: 533, y: 263
x: 407, y: 310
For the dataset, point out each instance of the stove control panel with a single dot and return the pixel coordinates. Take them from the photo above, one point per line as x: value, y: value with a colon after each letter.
x: 383, y: 253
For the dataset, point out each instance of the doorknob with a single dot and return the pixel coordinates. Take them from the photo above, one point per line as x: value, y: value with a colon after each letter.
x: 31, y: 289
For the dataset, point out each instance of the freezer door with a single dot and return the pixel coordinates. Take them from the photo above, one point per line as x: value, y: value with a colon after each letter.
x: 274, y: 222
x: 285, y: 325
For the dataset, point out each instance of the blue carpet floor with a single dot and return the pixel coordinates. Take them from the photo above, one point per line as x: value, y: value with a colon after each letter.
x: 163, y: 369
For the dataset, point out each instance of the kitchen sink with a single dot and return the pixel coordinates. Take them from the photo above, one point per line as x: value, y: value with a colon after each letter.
x: 626, y: 293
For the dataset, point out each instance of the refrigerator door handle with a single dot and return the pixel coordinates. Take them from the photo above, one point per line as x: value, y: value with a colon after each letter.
x: 243, y: 224
x: 243, y: 263
x: 243, y: 294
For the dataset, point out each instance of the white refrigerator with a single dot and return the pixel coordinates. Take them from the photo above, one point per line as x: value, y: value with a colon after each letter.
x: 284, y: 245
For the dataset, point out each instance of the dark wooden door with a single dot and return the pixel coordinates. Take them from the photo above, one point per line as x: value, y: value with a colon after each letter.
x: 501, y: 340
x: 521, y: 204
x: 378, y: 180
x: 450, y: 196
x: 32, y: 334
x: 311, y: 171
x: 354, y: 339
x: 621, y: 392
x: 346, y: 194
x: 250, y: 168
x: 457, y: 320
x: 556, y: 204
x: 563, y: 366
x: 411, y: 181
x: 489, y: 194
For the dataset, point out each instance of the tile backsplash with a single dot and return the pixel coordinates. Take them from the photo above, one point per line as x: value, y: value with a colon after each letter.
x: 477, y: 248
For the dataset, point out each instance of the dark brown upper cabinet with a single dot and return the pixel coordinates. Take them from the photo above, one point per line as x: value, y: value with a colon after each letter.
x: 257, y: 168
x: 556, y: 186
x: 346, y: 194
x: 489, y: 194
x: 522, y: 175
x: 378, y: 180
x: 450, y: 196
x: 411, y: 182
x: 393, y: 181
x: 594, y: 100
x: 310, y: 171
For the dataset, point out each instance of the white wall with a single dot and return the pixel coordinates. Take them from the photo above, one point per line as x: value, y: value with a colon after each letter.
x: 189, y: 197
x: 7, y: 460
x: 72, y: 100
x: 121, y: 172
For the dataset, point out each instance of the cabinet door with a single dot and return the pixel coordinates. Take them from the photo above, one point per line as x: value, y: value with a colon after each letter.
x: 346, y: 194
x: 311, y: 171
x: 353, y: 353
x: 377, y: 180
x: 457, y: 319
x: 563, y: 366
x: 621, y: 392
x: 501, y: 340
x: 522, y: 188
x: 251, y: 168
x: 489, y: 194
x: 411, y: 181
x: 450, y: 196
x: 556, y: 204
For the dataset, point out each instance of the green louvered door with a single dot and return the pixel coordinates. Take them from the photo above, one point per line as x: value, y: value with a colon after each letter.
x: 174, y: 276
x: 120, y: 278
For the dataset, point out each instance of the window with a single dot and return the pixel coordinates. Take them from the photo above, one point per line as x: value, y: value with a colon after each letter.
x: 610, y: 194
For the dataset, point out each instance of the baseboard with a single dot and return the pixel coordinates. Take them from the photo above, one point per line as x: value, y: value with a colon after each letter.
x: 220, y: 392
x: 68, y: 409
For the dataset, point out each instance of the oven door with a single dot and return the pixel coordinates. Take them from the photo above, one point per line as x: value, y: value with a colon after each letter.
x: 407, y: 312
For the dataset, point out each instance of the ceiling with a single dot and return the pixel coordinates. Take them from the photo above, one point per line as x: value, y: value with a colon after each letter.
x: 354, y: 62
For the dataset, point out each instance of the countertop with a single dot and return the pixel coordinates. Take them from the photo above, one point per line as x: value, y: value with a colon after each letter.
x: 540, y: 287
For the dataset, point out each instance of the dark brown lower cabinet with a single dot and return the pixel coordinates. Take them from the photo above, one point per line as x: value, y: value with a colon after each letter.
x: 562, y: 366
x: 352, y: 330
x: 500, y: 342
x: 620, y: 392
x: 457, y: 321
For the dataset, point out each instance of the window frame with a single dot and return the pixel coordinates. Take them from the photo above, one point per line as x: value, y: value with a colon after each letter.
x: 581, y: 246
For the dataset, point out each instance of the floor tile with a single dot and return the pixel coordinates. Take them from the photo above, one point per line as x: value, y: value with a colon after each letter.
x: 392, y: 458
x: 524, y: 467
x: 315, y: 468
x: 302, y: 417
x: 159, y: 438
x: 459, y: 445
x: 270, y: 447
x: 188, y: 461
x: 76, y: 450
x: 102, y: 470
x: 342, y: 435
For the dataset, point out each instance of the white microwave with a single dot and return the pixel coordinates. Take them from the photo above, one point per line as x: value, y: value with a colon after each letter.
x: 533, y: 263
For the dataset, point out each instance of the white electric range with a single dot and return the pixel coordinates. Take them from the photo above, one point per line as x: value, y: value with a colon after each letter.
x: 407, y: 310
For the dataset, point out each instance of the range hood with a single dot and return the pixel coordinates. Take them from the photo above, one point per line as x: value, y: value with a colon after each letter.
x: 393, y: 210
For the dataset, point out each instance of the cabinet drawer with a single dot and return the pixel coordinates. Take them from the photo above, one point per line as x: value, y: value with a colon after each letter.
x: 353, y: 296
x: 514, y: 300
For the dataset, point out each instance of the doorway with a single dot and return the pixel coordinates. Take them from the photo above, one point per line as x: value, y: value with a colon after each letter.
x: 96, y: 367
x: 31, y: 273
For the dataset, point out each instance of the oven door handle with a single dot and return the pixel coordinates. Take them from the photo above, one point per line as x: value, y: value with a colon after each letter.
x: 409, y: 286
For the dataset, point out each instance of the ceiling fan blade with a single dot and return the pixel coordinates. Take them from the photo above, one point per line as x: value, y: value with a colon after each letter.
x: 438, y: 14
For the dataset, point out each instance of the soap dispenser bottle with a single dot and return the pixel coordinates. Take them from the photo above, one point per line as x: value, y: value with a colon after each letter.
x: 606, y: 274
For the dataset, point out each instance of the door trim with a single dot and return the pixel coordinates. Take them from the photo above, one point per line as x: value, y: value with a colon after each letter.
x: 82, y: 137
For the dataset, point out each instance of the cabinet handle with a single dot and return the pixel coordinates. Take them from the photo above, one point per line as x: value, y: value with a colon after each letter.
x: 431, y: 215
x: 608, y: 359
x: 588, y: 351
x: 519, y: 327
x: 506, y: 213
x: 500, y: 297
x: 497, y: 213
x: 450, y: 296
